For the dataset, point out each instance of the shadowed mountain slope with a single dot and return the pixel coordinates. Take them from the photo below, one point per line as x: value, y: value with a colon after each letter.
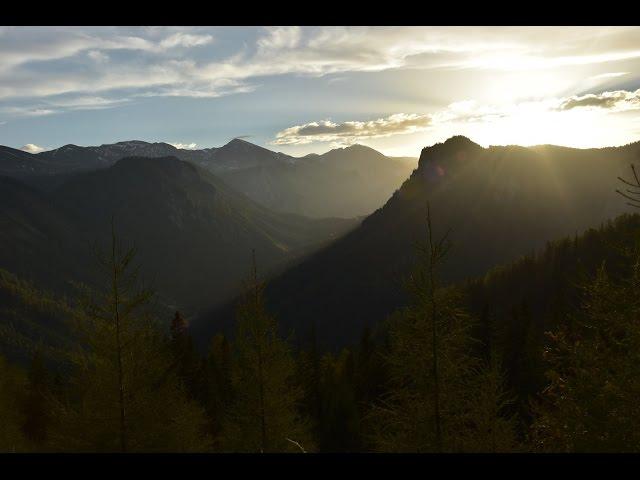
x: 194, y: 233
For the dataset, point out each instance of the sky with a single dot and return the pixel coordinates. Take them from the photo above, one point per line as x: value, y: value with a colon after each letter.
x: 306, y: 90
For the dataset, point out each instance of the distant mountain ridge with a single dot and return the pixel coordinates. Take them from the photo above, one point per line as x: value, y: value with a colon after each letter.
x: 347, y: 182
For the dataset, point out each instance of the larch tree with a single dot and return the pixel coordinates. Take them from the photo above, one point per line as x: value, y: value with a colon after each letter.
x: 436, y: 401
x: 264, y: 414
x: 126, y: 395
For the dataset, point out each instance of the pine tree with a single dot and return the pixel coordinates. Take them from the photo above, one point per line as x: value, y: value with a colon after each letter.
x: 264, y: 415
x: 126, y: 396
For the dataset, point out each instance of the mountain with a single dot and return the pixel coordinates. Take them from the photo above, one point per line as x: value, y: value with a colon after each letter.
x: 499, y: 202
x: 194, y: 233
x: 347, y: 182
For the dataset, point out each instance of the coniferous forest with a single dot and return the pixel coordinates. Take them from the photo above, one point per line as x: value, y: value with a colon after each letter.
x: 535, y: 356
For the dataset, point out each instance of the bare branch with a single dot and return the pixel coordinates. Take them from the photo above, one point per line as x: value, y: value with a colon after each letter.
x: 296, y: 444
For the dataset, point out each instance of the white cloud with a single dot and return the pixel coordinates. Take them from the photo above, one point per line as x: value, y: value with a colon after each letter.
x: 185, y: 40
x: 32, y: 148
x: 280, y: 38
x: 184, y: 146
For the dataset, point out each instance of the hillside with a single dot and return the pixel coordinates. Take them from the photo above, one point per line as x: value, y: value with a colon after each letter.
x: 194, y: 234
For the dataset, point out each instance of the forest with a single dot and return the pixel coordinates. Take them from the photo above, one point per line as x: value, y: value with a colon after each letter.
x: 537, y: 355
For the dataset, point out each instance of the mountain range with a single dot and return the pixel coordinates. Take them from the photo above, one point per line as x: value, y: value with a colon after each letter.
x: 195, y: 228
x: 498, y: 202
x: 346, y: 182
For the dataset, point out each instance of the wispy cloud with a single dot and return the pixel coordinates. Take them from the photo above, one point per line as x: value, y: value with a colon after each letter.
x: 610, y: 75
x: 187, y: 40
x: 192, y: 62
x: 55, y: 105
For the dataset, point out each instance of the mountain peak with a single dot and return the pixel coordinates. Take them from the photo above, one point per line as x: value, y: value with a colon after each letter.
x: 456, y: 148
x: 461, y: 141
x: 240, y: 142
x: 356, y: 150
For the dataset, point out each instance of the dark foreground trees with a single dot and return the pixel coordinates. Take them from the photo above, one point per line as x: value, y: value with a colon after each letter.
x: 591, y: 403
x: 124, y: 394
x: 432, y: 379
x: 442, y: 397
x: 264, y: 414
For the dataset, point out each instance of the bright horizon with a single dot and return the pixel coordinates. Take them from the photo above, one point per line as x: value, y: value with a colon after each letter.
x: 303, y: 90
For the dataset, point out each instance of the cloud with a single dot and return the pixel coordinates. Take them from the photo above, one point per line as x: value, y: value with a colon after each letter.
x: 618, y: 100
x: 27, y: 111
x: 610, y: 75
x: 187, y: 40
x: 32, y: 148
x: 352, y: 131
x: 458, y: 116
x: 98, y: 56
x: 133, y: 62
x: 184, y: 146
x: 280, y: 38
x: 62, y: 104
